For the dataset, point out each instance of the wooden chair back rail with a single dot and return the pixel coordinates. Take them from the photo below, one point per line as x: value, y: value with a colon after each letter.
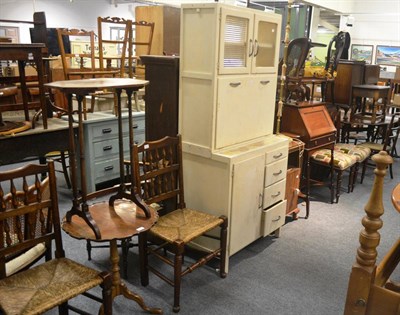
x: 368, y: 289
x: 122, y: 43
x: 29, y: 217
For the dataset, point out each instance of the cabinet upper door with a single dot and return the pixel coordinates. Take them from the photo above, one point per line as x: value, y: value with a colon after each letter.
x: 236, y: 42
x: 266, y: 43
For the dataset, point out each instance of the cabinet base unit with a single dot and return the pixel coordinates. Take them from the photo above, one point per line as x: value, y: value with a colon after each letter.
x: 101, y: 146
x: 245, y: 183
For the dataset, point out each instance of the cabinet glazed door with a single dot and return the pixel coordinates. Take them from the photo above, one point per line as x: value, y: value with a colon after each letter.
x: 266, y: 44
x: 247, y: 194
x: 236, y: 42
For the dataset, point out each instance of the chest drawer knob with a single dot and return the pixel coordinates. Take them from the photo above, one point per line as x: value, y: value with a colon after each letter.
x: 276, y: 195
x: 264, y: 82
x: 106, y: 130
x: 234, y: 84
x: 107, y: 148
x: 277, y: 156
x: 277, y: 219
x: 278, y: 173
x: 109, y: 168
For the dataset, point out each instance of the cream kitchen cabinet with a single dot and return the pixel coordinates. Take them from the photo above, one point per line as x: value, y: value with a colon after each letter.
x: 228, y: 75
x: 233, y: 164
x: 100, y: 133
x: 245, y: 183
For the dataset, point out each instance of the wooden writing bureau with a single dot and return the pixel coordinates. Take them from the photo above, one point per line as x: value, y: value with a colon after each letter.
x: 311, y: 123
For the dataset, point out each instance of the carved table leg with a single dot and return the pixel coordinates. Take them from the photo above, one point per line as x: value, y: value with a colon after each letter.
x: 120, y: 288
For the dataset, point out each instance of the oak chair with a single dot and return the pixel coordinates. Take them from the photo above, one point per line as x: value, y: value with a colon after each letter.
x: 388, y: 144
x: 117, y: 61
x: 139, y: 45
x: 370, y: 289
x: 83, y: 64
x: 29, y: 218
x: 159, y: 180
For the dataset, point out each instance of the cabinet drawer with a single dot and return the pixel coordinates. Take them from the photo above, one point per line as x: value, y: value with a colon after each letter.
x: 274, y: 193
x: 106, y: 129
x: 276, y: 154
x: 105, y: 148
x: 110, y: 129
x: 273, y: 218
x: 275, y: 172
x: 106, y: 170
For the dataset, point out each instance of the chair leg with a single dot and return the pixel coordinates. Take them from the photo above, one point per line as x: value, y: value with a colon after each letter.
x: 63, y: 309
x: 89, y: 249
x: 106, y: 293
x: 178, y: 248
x: 351, y: 179
x: 125, y: 250
x: 363, y: 170
x: 338, y: 184
x: 355, y: 175
x: 143, y: 259
x: 65, y: 169
x: 223, y: 244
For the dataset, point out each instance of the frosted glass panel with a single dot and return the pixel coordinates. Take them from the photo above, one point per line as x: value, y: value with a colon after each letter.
x: 265, y: 47
x: 235, y: 41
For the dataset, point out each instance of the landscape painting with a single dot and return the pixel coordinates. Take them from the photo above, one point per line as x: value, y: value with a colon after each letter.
x: 362, y: 53
x: 388, y: 55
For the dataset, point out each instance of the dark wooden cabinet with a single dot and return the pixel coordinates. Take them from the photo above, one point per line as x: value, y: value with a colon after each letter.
x: 349, y: 73
x: 162, y: 96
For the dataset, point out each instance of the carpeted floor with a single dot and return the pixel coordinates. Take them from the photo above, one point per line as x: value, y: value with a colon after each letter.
x: 305, y: 271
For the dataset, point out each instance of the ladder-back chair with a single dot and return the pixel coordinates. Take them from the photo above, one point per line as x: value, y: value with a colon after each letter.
x: 29, y: 221
x: 80, y: 62
x: 139, y: 45
x: 158, y: 178
x: 118, y: 60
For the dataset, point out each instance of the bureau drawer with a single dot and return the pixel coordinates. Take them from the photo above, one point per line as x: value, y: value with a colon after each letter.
x: 106, y: 170
x: 317, y: 142
x: 273, y: 218
x: 276, y: 154
x: 274, y: 193
x: 275, y: 172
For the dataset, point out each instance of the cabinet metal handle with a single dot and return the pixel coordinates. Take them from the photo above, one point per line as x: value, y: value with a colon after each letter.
x: 275, y: 220
x: 107, y: 148
x: 251, y: 47
x: 276, y: 195
x: 265, y: 82
x: 106, y: 130
x: 278, y: 155
x: 256, y: 48
x: 234, y: 84
x: 135, y: 126
x: 278, y: 173
x: 260, y: 200
x: 136, y: 142
x: 109, y: 168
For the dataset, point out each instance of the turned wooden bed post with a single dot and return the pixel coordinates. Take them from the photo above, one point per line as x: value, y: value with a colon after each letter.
x: 364, y: 269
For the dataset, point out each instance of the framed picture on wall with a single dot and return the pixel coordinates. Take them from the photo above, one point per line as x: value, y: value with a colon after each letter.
x: 362, y: 53
x: 387, y: 55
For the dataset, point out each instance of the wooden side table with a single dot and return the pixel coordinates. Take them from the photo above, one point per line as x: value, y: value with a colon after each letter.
x: 24, y: 53
x: 374, y: 92
x: 124, y: 215
x: 118, y: 222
